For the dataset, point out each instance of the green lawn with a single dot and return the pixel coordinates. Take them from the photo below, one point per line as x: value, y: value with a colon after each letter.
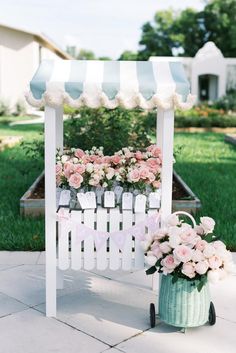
x: 206, y: 163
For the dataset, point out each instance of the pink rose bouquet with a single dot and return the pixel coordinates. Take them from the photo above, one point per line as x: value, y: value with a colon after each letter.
x: 192, y: 253
x: 129, y: 168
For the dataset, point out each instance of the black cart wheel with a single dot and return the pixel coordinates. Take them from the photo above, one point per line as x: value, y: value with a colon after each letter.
x: 212, y: 314
x: 152, y: 315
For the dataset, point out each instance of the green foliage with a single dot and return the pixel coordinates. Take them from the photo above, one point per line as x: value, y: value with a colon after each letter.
x: 227, y: 102
x: 112, y: 129
x: 128, y: 55
x: 85, y: 54
x: 185, y: 32
x: 34, y: 149
x: 4, y: 108
x: 20, y: 108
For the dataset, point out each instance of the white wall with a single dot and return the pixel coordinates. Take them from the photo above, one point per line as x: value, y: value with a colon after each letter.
x: 18, y: 61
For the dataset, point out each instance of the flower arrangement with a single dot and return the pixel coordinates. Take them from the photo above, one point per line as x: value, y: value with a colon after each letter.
x: 77, y: 169
x: 192, y: 253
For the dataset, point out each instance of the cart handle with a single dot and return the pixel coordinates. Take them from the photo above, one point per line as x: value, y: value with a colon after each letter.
x: 186, y: 214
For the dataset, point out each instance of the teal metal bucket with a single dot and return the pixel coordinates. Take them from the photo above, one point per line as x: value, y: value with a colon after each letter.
x: 181, y: 304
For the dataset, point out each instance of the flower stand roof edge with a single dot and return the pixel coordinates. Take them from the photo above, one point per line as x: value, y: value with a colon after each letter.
x: 94, y: 83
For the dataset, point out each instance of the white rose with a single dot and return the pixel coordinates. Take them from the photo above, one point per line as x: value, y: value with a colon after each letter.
x: 89, y: 167
x: 173, y: 220
x: 201, y: 267
x: 151, y: 260
x: 145, y: 244
x: 213, y: 276
x: 75, y: 160
x: 174, y: 240
x: 208, y: 224
x: 64, y: 158
x: 197, y: 256
x: 104, y: 185
x: 199, y: 230
x: 209, y: 251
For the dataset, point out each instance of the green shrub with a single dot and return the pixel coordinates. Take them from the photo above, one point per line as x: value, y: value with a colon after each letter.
x: 227, y: 102
x: 20, y: 108
x: 112, y: 129
x: 4, y: 108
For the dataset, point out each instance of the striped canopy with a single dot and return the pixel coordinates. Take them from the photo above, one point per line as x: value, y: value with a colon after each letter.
x: 110, y: 84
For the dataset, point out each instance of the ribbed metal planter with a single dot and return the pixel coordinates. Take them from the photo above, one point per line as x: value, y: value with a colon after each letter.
x: 181, y: 305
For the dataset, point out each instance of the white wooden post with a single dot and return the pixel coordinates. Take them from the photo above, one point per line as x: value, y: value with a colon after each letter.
x: 167, y: 122
x: 165, y: 140
x: 50, y: 209
x: 59, y: 145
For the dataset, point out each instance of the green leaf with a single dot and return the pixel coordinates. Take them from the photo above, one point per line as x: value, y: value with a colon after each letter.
x: 151, y: 270
x: 174, y: 278
x: 202, y: 283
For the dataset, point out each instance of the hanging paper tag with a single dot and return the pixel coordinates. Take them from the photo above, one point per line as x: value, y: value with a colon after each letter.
x: 91, y: 199
x: 82, y: 198
x: 127, y: 201
x: 109, y: 199
x: 118, y: 192
x: 140, y: 204
x: 64, y: 199
x: 99, y: 193
x: 154, y: 200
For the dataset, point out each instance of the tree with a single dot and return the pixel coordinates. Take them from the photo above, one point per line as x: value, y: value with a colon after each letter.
x: 220, y: 25
x: 128, y: 55
x: 85, y: 54
x: 158, y: 38
x: 185, y: 32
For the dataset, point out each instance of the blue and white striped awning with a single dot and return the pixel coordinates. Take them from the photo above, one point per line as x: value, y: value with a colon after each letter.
x: 110, y: 84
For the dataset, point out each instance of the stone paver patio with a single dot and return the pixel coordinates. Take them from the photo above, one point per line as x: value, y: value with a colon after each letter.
x: 97, y: 314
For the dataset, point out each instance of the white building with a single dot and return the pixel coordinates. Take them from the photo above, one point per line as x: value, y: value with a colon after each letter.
x: 211, y: 74
x: 21, y: 52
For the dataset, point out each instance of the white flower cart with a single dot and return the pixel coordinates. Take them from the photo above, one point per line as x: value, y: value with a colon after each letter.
x: 110, y: 84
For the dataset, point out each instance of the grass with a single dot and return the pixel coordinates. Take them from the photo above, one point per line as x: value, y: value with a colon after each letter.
x: 206, y: 163
x: 16, y: 175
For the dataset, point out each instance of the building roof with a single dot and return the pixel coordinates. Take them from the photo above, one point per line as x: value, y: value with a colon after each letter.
x: 41, y: 39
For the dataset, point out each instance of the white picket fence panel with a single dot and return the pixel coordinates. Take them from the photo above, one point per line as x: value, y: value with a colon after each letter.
x: 83, y: 255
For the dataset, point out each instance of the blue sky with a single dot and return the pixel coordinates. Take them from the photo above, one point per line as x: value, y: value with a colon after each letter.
x: 107, y: 27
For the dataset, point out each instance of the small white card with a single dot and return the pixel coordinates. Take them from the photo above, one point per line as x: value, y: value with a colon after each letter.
x: 154, y: 200
x: 82, y: 198
x: 64, y: 199
x: 127, y: 201
x: 118, y: 192
x: 109, y: 199
x: 91, y: 199
x: 140, y: 204
x: 99, y: 193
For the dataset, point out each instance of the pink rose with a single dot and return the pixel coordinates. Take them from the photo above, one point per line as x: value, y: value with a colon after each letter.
x: 156, y: 184
x: 129, y: 155
x: 134, y: 176
x: 144, y: 172
x: 58, y: 180
x: 150, y: 148
x: 107, y: 160
x: 165, y: 247
x: 75, y: 180
x: 188, y: 236
x: 110, y: 173
x: 169, y: 262
x: 201, y: 244
x: 152, y: 162
x: 199, y: 230
x: 79, y: 153
x: 79, y: 168
x: 116, y: 159
x: 208, y: 224
x: 209, y: 250
x: 139, y: 155
x: 68, y: 169
x: 156, y: 151
x: 183, y: 253
x: 58, y: 169
x: 188, y: 269
x: 151, y: 177
x: 214, y: 262
x: 201, y: 267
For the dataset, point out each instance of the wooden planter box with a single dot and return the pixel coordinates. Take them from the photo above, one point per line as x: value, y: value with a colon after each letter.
x: 33, y: 206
